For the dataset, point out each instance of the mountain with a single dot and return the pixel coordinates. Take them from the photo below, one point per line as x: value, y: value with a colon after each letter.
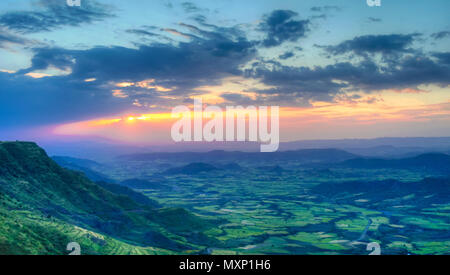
x: 102, y: 149
x: 410, y: 144
x: 307, y: 155
x: 192, y: 169
x: 33, y: 185
x: 123, y: 190
x: 431, y: 161
x: 388, y: 151
x: 155, y: 183
x: 83, y: 165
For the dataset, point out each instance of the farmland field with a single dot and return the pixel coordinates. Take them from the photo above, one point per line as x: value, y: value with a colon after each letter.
x: 291, y: 208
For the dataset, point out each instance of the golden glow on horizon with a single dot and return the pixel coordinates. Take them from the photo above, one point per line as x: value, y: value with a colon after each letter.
x: 103, y: 122
x: 356, y: 114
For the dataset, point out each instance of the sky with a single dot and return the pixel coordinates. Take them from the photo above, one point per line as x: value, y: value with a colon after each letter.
x: 115, y: 69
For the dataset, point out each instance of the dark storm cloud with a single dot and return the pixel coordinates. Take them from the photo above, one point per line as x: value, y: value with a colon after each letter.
x: 54, y: 15
x: 370, y: 44
x: 280, y: 26
x: 441, y: 35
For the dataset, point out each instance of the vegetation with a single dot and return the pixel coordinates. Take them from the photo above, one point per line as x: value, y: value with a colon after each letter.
x: 237, y: 204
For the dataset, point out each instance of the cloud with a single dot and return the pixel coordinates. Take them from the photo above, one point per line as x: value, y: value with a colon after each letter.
x: 8, y: 38
x: 27, y: 101
x: 325, y: 8
x: 280, y: 27
x: 303, y: 84
x: 190, y: 7
x: 286, y: 55
x: 441, y: 35
x: 178, y: 33
x: 443, y: 57
x: 374, y: 19
x: 236, y: 98
x: 371, y: 44
x: 142, y: 32
x: 187, y: 63
x: 177, y: 69
x: 54, y: 15
x: 45, y: 58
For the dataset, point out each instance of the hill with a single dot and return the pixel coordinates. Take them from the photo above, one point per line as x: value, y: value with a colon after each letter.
x: 86, y: 166
x: 39, y: 186
x: 307, y: 155
x: 123, y: 190
x: 154, y: 183
x: 431, y: 161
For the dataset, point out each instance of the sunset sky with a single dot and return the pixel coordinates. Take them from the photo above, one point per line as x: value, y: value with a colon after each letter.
x: 115, y: 69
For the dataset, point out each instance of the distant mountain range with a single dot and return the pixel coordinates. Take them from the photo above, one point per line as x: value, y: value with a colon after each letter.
x: 306, y: 156
x: 431, y: 161
x: 101, y: 150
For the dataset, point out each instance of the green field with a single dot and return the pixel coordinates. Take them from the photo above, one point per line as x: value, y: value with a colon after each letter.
x: 282, y: 213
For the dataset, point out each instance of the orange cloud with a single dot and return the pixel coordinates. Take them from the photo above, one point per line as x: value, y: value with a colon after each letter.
x: 124, y: 84
x: 119, y: 93
x: 37, y: 75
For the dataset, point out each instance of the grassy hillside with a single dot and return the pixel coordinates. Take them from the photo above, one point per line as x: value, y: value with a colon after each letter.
x: 28, y: 232
x: 40, y: 198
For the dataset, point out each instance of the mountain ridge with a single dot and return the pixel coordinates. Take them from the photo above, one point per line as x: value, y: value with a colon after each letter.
x: 305, y: 155
x: 40, y: 185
